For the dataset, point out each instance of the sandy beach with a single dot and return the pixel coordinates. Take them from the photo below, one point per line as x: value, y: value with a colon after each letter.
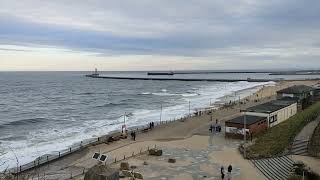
x: 191, y: 135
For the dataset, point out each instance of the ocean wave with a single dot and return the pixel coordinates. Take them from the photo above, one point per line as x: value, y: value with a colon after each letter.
x: 111, y: 105
x: 14, y: 138
x: 190, y: 94
x: 145, y: 93
x: 164, y: 94
x: 90, y: 93
x: 177, y: 94
x: 24, y: 122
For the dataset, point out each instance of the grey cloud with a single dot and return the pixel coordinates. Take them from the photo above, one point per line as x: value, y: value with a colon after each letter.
x: 170, y: 28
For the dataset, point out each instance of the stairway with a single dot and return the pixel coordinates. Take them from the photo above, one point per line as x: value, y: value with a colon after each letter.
x: 299, y: 147
x: 274, y: 168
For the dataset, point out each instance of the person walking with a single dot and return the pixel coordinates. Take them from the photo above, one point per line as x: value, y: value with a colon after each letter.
x: 222, y: 172
x: 134, y: 136
x: 229, y: 172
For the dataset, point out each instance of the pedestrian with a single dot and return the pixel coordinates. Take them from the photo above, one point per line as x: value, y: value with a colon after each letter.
x: 152, y: 123
x: 134, y: 136
x: 131, y: 134
x: 229, y: 172
x: 222, y: 172
x: 216, y: 121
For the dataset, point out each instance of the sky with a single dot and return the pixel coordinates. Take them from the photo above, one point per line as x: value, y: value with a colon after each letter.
x: 159, y: 34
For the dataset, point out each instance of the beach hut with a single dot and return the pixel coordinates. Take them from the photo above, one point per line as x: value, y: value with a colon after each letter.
x: 275, y: 111
x: 254, y: 125
x: 303, y: 94
x: 316, y: 92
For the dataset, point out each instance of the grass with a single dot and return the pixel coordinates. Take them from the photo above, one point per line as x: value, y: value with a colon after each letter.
x: 314, y: 146
x: 278, y: 138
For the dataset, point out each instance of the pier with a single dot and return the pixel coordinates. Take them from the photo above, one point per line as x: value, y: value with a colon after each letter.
x: 182, y: 79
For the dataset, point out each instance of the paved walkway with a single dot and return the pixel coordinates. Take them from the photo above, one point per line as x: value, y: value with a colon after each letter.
x: 301, y: 141
x: 195, y: 162
x: 306, y: 133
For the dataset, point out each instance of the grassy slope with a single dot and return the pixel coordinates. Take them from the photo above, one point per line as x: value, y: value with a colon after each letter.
x: 278, y: 138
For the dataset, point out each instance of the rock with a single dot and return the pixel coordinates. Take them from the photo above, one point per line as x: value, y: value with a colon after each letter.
x: 133, y: 167
x: 155, y: 152
x: 101, y: 172
x: 145, y: 163
x: 171, y: 160
x: 124, y: 166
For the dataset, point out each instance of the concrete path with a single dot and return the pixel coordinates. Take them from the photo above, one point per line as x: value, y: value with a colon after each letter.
x: 301, y: 141
x: 306, y: 133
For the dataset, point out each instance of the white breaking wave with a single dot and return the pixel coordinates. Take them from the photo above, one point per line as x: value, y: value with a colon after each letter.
x: 200, y: 98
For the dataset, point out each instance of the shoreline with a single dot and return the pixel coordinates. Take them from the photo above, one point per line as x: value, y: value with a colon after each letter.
x: 55, y: 155
x: 174, y: 123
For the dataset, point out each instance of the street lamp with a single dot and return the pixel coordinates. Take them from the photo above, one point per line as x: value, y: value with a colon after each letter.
x: 245, y: 134
x: 160, y: 113
x: 189, y: 109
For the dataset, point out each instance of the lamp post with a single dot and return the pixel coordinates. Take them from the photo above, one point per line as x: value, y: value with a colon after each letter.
x: 124, y: 118
x: 17, y: 161
x: 189, y: 109
x: 245, y: 134
x: 160, y: 113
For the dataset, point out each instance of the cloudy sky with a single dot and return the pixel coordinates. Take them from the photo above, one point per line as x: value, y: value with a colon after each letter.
x: 159, y: 34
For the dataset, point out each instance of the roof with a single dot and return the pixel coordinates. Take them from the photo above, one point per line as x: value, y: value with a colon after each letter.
x: 272, y: 106
x: 316, y: 86
x: 249, y: 119
x: 297, y: 89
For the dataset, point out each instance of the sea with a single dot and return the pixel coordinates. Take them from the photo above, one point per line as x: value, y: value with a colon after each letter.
x: 45, y: 112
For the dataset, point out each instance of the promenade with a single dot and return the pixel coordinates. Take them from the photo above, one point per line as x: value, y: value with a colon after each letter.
x: 177, y: 132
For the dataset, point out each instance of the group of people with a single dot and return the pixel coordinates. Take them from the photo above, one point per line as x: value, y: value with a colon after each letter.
x: 215, y: 127
x: 229, y: 172
x: 151, y: 125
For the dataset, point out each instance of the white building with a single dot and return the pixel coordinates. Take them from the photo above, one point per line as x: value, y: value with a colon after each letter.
x: 275, y: 111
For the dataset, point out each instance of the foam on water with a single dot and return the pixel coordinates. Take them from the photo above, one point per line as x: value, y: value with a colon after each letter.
x: 73, y: 130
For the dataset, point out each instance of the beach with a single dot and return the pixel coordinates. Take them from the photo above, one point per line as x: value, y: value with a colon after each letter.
x: 191, y: 133
x: 50, y: 112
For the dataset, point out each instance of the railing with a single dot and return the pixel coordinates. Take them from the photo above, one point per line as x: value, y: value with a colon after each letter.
x: 116, y: 160
x: 43, y: 160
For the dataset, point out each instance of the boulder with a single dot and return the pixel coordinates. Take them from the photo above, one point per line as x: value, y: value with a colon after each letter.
x: 101, y: 172
x: 155, y: 152
x: 171, y: 160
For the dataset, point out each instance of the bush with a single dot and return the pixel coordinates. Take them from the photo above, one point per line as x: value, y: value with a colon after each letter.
x: 278, y: 138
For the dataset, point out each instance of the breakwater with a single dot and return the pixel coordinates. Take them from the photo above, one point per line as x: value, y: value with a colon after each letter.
x: 182, y: 79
